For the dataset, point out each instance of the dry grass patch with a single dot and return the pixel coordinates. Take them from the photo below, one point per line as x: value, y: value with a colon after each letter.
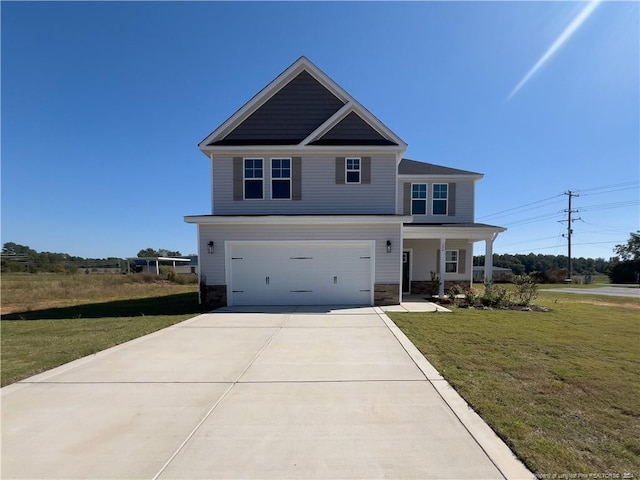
x: 561, y: 388
x: 50, y: 319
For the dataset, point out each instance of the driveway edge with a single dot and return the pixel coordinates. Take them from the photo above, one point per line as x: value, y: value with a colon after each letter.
x: 493, y: 446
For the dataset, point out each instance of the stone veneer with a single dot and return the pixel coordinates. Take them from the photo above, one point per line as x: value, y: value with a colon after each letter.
x: 425, y: 287
x: 386, y: 294
x: 214, y: 296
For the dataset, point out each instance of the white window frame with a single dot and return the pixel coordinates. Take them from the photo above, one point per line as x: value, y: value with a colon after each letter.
x: 434, y: 199
x: 280, y: 178
x: 451, y: 262
x: 425, y: 199
x: 244, y: 178
x: 347, y: 170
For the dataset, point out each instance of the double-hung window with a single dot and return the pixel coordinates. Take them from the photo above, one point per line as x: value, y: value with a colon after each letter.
x: 253, y: 178
x: 440, y: 198
x: 281, y: 178
x: 418, y: 198
x: 451, y: 261
x: 352, y: 166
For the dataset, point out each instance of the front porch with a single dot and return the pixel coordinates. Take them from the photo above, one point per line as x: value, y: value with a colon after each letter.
x: 438, y: 255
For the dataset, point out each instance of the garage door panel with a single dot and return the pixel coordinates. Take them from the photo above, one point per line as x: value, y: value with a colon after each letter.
x: 300, y: 273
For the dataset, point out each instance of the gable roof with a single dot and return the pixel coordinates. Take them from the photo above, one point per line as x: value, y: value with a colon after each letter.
x: 301, y: 107
x: 413, y: 167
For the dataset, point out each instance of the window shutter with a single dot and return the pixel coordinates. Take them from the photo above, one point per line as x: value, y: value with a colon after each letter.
x: 407, y: 199
x: 452, y: 200
x: 296, y: 178
x: 340, y: 170
x: 238, y: 176
x: 365, y: 174
x: 462, y: 261
x: 438, y: 264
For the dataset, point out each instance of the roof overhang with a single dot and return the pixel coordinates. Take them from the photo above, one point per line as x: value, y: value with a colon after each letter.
x: 471, y: 176
x: 464, y: 231
x: 161, y: 259
x: 296, y: 219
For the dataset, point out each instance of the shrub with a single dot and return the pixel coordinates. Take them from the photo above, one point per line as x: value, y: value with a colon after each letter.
x: 496, y: 296
x: 526, y: 289
x: 433, y: 286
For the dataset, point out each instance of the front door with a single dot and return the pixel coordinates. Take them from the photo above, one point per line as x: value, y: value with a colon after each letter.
x: 406, y: 272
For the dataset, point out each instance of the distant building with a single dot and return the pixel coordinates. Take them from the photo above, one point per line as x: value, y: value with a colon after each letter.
x: 498, y: 274
x: 152, y: 264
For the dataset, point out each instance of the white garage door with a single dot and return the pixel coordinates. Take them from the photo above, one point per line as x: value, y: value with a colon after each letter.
x: 301, y: 273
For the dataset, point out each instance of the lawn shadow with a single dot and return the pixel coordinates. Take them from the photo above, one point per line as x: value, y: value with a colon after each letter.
x: 177, y: 304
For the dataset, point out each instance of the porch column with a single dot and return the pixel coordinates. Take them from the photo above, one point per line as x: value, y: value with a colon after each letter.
x: 442, y: 266
x: 488, y: 259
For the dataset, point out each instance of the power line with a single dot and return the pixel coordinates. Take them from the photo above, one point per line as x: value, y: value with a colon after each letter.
x: 519, y: 207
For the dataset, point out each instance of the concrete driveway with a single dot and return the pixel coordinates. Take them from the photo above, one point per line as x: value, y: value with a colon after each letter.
x: 298, y: 392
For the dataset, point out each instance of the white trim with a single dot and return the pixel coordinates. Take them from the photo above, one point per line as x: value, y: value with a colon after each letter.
x: 271, y: 179
x: 331, y: 122
x: 440, y: 178
x: 447, y: 261
x: 244, y: 179
x: 336, y: 150
x: 346, y: 171
x: 471, y: 233
x: 426, y: 198
x: 433, y: 199
x: 297, y: 219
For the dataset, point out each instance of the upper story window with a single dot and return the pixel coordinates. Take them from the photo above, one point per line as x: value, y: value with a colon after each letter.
x: 418, y: 198
x: 253, y: 178
x: 281, y: 178
x: 440, y: 198
x: 352, y: 170
x: 451, y: 261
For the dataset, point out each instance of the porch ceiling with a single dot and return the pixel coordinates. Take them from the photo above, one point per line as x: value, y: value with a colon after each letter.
x: 467, y: 231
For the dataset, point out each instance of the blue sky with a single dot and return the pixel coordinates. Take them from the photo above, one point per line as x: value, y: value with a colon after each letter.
x: 103, y: 104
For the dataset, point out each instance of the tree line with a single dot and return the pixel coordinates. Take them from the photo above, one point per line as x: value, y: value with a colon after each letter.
x: 21, y: 258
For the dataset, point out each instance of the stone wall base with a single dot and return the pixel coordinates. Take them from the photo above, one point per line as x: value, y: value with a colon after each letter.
x: 386, y: 294
x: 428, y: 287
x: 213, y: 296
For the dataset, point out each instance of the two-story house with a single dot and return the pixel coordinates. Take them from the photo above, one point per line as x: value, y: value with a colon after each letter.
x: 313, y: 203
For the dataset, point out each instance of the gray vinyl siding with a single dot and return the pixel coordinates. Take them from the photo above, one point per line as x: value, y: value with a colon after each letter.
x: 461, y: 212
x: 319, y: 192
x: 212, y: 266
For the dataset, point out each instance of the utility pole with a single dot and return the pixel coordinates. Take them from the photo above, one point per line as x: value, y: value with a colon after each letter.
x: 569, y: 221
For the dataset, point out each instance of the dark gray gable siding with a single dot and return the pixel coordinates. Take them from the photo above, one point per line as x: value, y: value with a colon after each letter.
x: 412, y: 167
x: 352, y: 130
x: 288, y: 117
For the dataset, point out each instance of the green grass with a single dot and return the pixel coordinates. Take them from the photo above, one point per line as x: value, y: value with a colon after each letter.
x: 54, y: 319
x: 562, y: 388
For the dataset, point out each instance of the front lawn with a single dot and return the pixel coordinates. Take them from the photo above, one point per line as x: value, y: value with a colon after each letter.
x: 562, y: 388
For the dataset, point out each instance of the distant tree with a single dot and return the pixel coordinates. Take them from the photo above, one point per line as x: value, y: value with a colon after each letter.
x: 630, y: 250
x: 148, y: 252
x: 161, y: 252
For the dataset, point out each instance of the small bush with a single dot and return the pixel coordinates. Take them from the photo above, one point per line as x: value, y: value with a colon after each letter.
x: 526, y: 289
x: 496, y: 296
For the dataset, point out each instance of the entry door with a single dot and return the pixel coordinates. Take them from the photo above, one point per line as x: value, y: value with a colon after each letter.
x: 406, y: 272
